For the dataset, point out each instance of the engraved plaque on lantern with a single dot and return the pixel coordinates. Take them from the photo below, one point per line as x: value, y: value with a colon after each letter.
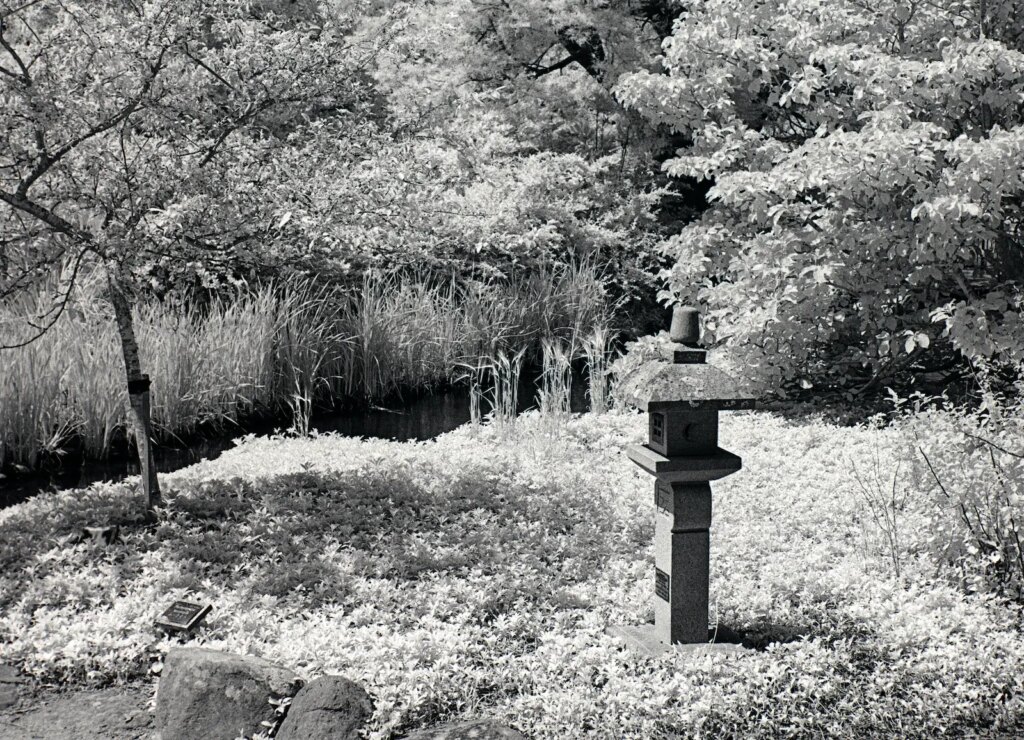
x: 662, y: 584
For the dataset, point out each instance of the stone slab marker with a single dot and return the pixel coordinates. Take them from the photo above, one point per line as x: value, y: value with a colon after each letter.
x: 682, y: 398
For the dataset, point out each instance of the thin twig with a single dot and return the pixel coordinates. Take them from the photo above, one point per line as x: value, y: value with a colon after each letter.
x: 990, y: 443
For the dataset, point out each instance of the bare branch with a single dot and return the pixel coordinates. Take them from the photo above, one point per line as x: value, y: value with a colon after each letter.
x: 25, y: 76
x: 15, y: 11
x: 538, y: 71
x: 209, y: 69
x: 46, y: 215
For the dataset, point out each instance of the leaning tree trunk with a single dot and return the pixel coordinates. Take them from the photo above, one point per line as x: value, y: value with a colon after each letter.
x: 138, y: 392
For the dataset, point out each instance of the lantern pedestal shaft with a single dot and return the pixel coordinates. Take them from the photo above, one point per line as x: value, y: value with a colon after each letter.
x: 681, y: 586
x: 681, y: 560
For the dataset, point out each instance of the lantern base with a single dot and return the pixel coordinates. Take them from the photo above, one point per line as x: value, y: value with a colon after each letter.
x: 642, y: 639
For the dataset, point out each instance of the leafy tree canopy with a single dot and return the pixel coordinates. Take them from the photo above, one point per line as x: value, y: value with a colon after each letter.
x: 143, y: 142
x: 866, y: 203
x: 507, y: 147
x: 145, y: 137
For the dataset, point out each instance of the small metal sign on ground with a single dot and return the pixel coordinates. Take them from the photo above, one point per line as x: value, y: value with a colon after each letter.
x: 182, y: 616
x: 100, y: 535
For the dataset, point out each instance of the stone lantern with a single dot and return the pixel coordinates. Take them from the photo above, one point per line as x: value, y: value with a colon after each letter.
x: 682, y: 398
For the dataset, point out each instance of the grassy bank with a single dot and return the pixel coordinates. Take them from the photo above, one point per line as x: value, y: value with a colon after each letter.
x: 474, y: 575
x: 274, y: 352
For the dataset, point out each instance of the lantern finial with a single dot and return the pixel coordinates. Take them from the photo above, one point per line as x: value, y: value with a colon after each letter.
x: 685, y: 325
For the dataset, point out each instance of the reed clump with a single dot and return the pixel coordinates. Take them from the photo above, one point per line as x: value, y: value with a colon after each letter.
x: 597, y: 350
x: 277, y: 351
x: 555, y: 393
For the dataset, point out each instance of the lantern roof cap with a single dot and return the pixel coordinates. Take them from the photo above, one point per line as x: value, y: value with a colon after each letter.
x: 660, y: 386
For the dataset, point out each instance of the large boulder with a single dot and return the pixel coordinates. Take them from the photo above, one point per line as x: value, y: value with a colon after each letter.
x: 328, y: 708
x: 481, y: 729
x: 218, y: 696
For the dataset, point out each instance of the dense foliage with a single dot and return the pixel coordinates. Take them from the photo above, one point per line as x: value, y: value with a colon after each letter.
x: 971, y: 466
x: 260, y: 137
x: 837, y: 184
x: 247, y: 141
x: 866, y: 199
x: 142, y: 145
x: 142, y: 138
x: 851, y: 166
x: 507, y: 147
x: 475, y: 575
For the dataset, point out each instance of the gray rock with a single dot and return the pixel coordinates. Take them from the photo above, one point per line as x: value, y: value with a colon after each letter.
x: 218, y: 696
x: 481, y: 729
x: 10, y: 674
x: 8, y: 696
x: 328, y: 708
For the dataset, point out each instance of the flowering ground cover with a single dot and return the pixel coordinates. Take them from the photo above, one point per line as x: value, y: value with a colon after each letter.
x: 474, y: 575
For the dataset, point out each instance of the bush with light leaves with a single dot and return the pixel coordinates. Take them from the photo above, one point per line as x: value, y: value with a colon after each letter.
x: 866, y: 201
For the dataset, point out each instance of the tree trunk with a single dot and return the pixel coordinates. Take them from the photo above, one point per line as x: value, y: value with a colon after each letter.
x: 138, y: 392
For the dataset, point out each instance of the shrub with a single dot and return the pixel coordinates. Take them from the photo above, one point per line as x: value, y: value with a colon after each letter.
x: 970, y: 466
x: 863, y: 224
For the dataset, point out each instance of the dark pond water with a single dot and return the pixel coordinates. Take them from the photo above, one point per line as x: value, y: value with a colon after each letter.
x: 423, y: 418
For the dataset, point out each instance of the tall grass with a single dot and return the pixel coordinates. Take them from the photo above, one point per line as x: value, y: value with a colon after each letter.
x: 554, y: 396
x: 506, y: 368
x: 278, y: 351
x: 555, y: 393
x: 476, y: 377
x: 597, y: 349
x: 494, y: 381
